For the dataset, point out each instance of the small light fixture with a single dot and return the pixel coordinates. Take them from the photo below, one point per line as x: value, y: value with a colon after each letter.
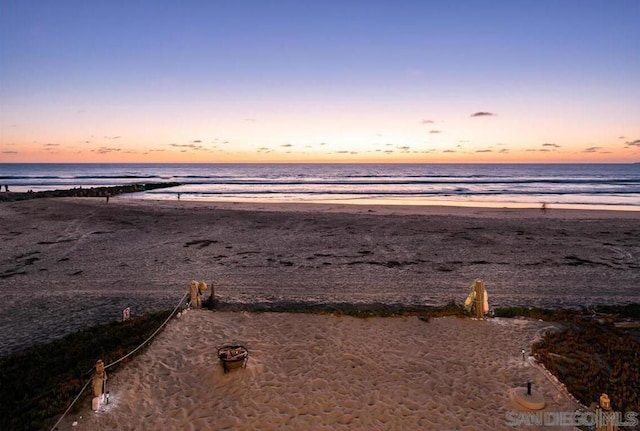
x: 523, y: 351
x: 107, y: 395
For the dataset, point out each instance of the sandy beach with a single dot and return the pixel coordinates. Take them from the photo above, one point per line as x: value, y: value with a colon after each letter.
x: 69, y: 263
x: 327, y: 372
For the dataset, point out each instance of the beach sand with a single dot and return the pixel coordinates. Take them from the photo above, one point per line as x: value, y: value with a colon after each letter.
x: 69, y: 263
x: 327, y: 372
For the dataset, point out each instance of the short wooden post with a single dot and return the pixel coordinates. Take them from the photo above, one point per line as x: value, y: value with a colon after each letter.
x: 98, y: 385
x: 479, y: 299
x: 193, y: 294
x: 605, y: 415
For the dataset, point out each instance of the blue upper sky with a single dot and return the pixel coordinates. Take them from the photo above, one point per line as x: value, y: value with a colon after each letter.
x: 292, y: 80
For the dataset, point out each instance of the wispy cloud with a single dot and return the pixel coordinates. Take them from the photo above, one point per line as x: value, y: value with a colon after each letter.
x: 106, y: 150
x: 592, y: 150
x: 546, y: 148
x: 428, y: 121
x: 433, y: 132
x: 184, y: 145
x: 635, y: 143
x: 483, y: 114
x: 598, y: 150
x: 9, y: 152
x: 191, y: 146
x: 196, y: 141
x: 286, y: 145
x: 51, y: 148
x: 484, y: 151
x: 112, y: 137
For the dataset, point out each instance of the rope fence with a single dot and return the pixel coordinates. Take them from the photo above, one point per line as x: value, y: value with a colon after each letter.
x: 122, y: 358
x: 152, y: 335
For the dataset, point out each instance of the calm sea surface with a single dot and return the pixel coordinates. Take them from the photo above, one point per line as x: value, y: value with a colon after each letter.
x: 612, y: 186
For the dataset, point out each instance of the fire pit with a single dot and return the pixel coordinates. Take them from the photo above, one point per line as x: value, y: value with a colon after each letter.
x: 233, y: 356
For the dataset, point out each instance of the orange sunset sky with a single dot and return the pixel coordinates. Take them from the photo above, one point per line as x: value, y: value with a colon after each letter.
x: 333, y: 82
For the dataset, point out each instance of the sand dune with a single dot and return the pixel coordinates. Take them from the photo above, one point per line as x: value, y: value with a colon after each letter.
x: 326, y: 372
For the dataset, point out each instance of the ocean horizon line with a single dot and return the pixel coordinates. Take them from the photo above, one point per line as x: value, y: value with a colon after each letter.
x: 320, y: 163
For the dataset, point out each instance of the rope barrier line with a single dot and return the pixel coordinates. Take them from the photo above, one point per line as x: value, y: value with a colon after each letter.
x: 151, y: 336
x: 71, y: 405
x: 125, y: 356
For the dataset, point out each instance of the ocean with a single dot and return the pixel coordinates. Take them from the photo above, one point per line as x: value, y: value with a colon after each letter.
x: 587, y: 186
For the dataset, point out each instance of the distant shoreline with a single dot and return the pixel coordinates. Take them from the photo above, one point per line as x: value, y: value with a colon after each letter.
x: 612, y: 187
x: 134, y: 193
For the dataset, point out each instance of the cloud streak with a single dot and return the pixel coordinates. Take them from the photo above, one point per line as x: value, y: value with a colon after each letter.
x: 106, y: 150
x: 483, y: 114
x: 592, y: 150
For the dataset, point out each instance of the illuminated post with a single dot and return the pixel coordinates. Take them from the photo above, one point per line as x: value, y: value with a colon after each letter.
x: 202, y: 286
x: 479, y: 299
x: 605, y: 418
x: 193, y: 294
x: 98, y: 385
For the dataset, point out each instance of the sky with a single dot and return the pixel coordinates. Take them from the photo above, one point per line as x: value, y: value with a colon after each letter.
x: 325, y: 81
